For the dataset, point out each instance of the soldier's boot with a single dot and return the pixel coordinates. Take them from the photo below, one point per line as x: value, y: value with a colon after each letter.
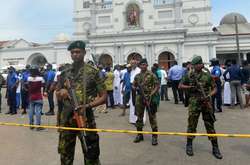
x: 189, y: 147
x: 216, y: 150
x: 155, y: 138
x: 50, y: 112
x: 139, y: 136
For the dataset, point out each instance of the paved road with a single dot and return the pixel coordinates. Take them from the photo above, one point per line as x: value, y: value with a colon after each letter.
x: 21, y: 146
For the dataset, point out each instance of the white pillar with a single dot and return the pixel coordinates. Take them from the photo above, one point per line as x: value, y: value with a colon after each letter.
x: 245, y: 56
x: 211, y: 51
x: 55, y: 57
x: 180, y: 52
x: 145, y: 50
x: 122, y: 55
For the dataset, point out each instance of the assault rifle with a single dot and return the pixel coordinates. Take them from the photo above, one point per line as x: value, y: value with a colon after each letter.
x: 145, y: 100
x: 204, y: 98
x: 79, y: 113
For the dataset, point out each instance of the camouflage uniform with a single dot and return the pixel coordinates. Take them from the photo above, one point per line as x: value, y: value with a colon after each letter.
x: 67, y: 139
x: 200, y: 86
x: 147, y: 81
x: 196, y: 104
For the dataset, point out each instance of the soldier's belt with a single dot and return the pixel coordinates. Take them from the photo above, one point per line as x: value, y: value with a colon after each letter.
x: 129, y: 131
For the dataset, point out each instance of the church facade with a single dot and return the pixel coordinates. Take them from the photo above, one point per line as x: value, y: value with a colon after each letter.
x: 160, y: 30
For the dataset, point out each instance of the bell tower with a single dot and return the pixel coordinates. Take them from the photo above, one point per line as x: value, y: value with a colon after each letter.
x: 83, y: 20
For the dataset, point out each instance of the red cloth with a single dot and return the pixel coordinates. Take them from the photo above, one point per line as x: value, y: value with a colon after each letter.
x: 35, y: 86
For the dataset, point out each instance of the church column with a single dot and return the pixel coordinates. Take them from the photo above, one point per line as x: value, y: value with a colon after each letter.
x: 150, y: 54
x: 118, y: 54
x: 180, y: 49
x: 178, y: 20
x: 114, y: 54
x: 145, y: 50
x: 93, y: 16
x: 55, y: 57
x: 121, y: 57
x: 244, y: 55
x: 211, y: 51
x: 154, y: 56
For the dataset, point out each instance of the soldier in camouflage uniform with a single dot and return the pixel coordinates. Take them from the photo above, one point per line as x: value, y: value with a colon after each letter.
x: 146, y: 84
x: 200, y: 104
x: 94, y: 86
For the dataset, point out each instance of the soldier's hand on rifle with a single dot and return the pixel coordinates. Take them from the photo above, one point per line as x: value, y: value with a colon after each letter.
x: 81, y: 107
x: 62, y: 94
x: 208, y: 98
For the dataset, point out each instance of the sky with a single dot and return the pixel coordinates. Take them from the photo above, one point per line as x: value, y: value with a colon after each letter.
x: 42, y: 20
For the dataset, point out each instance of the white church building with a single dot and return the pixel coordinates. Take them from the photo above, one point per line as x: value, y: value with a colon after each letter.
x: 159, y: 30
x: 119, y: 30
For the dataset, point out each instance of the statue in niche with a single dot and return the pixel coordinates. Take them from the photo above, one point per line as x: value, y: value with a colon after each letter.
x: 133, y: 15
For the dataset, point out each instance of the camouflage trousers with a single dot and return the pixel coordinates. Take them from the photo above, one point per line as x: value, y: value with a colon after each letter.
x: 139, y: 112
x: 194, y: 110
x: 66, y: 147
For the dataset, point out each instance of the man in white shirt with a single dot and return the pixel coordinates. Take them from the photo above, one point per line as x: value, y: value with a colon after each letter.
x: 164, y: 88
x: 116, y: 86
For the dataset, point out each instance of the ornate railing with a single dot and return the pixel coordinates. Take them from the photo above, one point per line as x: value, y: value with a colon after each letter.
x: 163, y: 2
x: 107, y: 5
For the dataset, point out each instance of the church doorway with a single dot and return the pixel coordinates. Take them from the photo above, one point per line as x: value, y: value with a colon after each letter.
x: 134, y: 56
x: 106, y: 60
x: 166, y: 60
x: 37, y: 59
x: 248, y: 57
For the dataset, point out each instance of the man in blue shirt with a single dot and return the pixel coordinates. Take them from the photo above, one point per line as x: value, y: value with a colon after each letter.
x: 49, y: 78
x: 24, y: 89
x: 12, y: 81
x: 175, y: 74
x: 126, y: 88
x: 216, y: 73
x: 235, y: 82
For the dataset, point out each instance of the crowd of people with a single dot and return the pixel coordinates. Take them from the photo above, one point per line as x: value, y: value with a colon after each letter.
x: 132, y: 86
x: 231, y: 80
x: 25, y: 90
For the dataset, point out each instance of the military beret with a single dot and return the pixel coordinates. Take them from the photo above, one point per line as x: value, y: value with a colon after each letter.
x: 77, y: 44
x: 214, y: 60
x: 34, y: 67
x: 143, y: 61
x: 197, y: 60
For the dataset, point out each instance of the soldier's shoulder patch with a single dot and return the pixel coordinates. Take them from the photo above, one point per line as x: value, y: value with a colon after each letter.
x: 206, y: 70
x: 91, y: 69
x: 91, y: 66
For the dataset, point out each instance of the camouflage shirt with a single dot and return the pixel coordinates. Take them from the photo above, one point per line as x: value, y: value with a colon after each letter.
x: 203, y: 78
x: 147, y: 81
x: 94, y: 84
